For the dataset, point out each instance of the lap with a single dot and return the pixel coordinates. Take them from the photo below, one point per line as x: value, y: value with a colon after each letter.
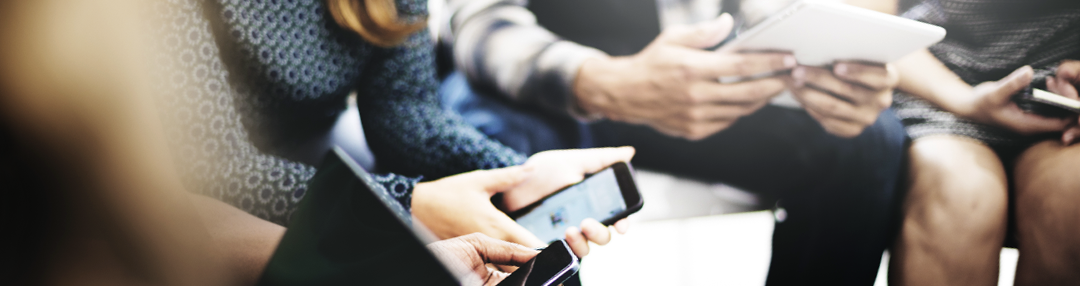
x: 774, y: 151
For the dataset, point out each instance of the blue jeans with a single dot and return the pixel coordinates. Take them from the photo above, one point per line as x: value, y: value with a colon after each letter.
x: 841, y: 195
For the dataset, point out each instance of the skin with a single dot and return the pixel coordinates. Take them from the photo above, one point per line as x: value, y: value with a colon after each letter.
x: 672, y: 85
x: 475, y: 251
x: 461, y: 204
x: 955, y: 213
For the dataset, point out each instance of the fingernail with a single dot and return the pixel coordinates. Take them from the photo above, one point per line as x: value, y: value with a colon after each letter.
x: 1067, y: 138
x: 789, y: 61
x: 798, y: 73
x: 841, y: 69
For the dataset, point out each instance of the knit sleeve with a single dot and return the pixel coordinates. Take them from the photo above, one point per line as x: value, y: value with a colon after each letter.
x: 399, y: 108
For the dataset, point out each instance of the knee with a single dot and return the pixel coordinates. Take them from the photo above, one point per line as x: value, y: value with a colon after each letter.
x: 1047, y: 187
x: 956, y: 188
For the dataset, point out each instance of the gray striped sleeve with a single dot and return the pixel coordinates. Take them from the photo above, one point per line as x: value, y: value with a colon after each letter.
x: 500, y: 47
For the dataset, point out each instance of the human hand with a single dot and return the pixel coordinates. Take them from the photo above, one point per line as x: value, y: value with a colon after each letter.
x: 461, y: 204
x: 991, y: 103
x: 555, y: 170
x: 672, y: 84
x: 846, y: 99
x: 475, y: 251
x: 1064, y: 83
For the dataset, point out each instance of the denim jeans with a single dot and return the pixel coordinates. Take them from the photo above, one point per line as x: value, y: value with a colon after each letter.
x: 840, y: 195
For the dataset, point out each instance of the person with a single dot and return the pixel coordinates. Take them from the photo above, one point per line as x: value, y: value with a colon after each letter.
x: 249, y: 79
x: 982, y: 172
x: 833, y: 164
x: 95, y: 200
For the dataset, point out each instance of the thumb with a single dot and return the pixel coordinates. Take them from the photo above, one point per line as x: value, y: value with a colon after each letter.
x: 499, y: 180
x: 500, y: 252
x: 596, y: 159
x: 1011, y: 84
x: 514, y: 232
x: 701, y: 35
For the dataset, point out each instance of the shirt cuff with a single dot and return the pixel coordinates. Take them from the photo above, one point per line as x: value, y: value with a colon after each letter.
x: 558, y: 66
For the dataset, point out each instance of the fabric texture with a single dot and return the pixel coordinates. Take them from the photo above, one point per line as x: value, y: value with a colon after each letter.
x: 247, y: 77
x: 987, y: 40
x: 500, y: 46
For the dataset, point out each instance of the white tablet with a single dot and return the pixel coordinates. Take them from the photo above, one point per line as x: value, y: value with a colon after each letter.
x: 819, y: 33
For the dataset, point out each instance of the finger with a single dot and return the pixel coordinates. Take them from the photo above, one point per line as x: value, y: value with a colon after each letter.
x: 875, y: 77
x: 499, y: 180
x: 831, y: 107
x: 1070, y: 135
x: 836, y: 127
x: 699, y: 36
x: 702, y: 130
x: 713, y: 65
x: 1062, y: 87
x: 1011, y: 84
x: 747, y: 92
x: 825, y: 80
x: 500, y: 252
x: 513, y: 232
x: 595, y: 232
x: 622, y: 226
x: 596, y: 159
x: 494, y: 277
x: 577, y: 242
x: 1025, y: 123
x: 1069, y: 71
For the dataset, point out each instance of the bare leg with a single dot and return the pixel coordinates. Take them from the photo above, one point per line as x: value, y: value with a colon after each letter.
x: 244, y: 242
x: 1048, y: 215
x: 954, y: 215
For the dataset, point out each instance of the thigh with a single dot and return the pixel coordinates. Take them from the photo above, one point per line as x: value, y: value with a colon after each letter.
x: 1048, y: 195
x: 773, y: 151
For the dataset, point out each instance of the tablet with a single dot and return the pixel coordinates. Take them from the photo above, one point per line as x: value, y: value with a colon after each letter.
x: 819, y: 33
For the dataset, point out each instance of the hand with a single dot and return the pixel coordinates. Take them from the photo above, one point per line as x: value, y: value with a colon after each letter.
x: 991, y: 103
x: 1064, y: 84
x: 672, y: 84
x: 846, y: 99
x: 475, y: 251
x: 555, y: 170
x: 461, y: 204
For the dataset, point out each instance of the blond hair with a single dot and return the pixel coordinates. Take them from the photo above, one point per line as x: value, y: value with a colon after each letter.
x: 375, y: 20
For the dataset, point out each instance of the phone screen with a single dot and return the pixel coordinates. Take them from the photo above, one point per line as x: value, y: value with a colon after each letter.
x: 553, y: 265
x: 597, y: 197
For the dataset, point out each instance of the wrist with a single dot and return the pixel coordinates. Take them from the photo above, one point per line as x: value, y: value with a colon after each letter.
x: 959, y: 99
x: 591, y: 88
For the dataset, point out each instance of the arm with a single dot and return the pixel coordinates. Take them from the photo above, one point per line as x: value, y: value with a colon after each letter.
x: 670, y: 85
x: 410, y: 132
x: 500, y: 46
x: 990, y: 103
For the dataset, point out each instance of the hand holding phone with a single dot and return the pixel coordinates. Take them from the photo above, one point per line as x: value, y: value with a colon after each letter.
x: 606, y: 196
x: 553, y: 266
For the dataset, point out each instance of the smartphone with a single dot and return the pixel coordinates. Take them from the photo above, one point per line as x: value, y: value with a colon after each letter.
x: 607, y: 196
x: 1046, y: 104
x: 552, y: 266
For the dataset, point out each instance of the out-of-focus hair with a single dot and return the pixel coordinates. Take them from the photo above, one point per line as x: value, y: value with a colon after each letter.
x: 376, y: 21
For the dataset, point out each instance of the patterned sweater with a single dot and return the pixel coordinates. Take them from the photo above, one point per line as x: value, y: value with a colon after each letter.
x: 247, y: 75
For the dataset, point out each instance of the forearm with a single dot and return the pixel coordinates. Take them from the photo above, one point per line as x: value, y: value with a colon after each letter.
x: 412, y: 135
x: 244, y: 242
x: 923, y: 75
x: 500, y: 46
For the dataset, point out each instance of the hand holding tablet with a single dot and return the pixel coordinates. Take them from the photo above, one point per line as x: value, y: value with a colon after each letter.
x: 820, y: 33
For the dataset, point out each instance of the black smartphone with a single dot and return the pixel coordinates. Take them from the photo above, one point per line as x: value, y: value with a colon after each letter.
x: 552, y: 266
x: 1035, y: 100
x: 607, y: 196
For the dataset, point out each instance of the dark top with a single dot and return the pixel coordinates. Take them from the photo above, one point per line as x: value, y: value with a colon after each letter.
x: 987, y: 40
x: 249, y: 75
